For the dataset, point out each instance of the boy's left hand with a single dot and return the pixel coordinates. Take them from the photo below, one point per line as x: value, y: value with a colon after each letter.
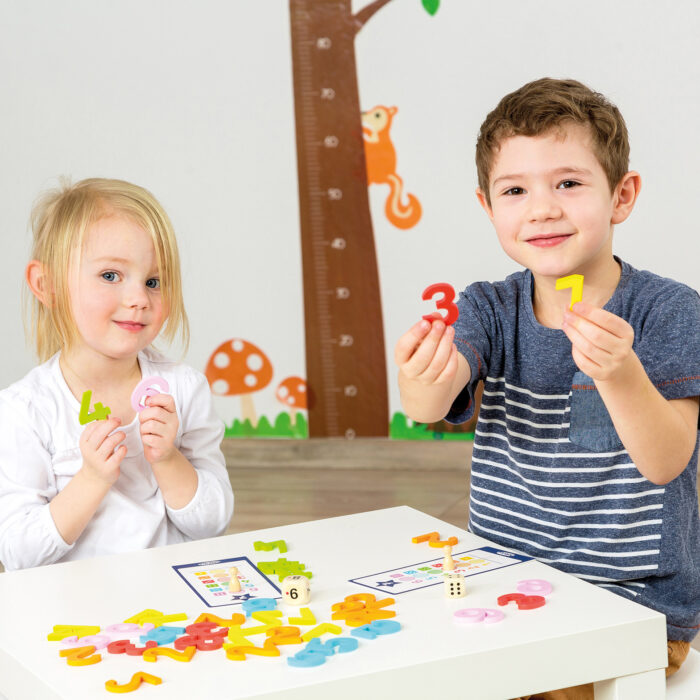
x: 601, y: 343
x: 159, y: 424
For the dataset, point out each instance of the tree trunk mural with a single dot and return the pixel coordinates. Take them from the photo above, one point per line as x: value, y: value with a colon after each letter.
x: 345, y: 356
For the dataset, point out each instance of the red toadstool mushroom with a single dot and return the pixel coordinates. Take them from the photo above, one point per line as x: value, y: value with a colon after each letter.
x: 239, y: 368
x: 292, y: 393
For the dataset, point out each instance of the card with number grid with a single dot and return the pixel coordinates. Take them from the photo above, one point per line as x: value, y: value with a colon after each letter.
x: 430, y: 573
x: 210, y: 581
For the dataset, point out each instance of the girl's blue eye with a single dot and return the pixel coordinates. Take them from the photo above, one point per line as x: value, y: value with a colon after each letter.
x: 153, y: 283
x: 109, y: 276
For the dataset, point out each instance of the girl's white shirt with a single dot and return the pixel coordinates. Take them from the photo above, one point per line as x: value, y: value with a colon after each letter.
x: 39, y: 455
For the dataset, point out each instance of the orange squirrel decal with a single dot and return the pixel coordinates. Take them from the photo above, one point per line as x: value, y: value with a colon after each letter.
x: 380, y: 155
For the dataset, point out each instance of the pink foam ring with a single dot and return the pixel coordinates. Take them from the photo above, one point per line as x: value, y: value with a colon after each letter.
x: 469, y: 616
x: 99, y: 641
x: 150, y: 386
x: 492, y: 616
x: 534, y: 586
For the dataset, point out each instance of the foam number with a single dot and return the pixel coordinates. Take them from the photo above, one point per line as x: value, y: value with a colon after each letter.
x: 524, y: 602
x: 236, y: 619
x: 306, y: 618
x: 81, y: 656
x: 269, y: 546
x: 133, y: 684
x: 237, y: 652
x: 156, y: 617
x: 534, y: 586
x: 151, y: 386
x: 445, y: 303
x: 576, y: 284
x: 162, y: 635
x: 285, y: 635
x: 320, y: 630
x: 361, y: 609
x: 375, y: 628
x: 203, y: 636
x: 100, y: 413
x: 63, y: 631
x: 469, y: 616
x: 433, y: 539
x: 315, y: 652
x: 153, y: 654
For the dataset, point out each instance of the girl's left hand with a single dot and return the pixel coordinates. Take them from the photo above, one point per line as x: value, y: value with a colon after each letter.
x: 159, y: 424
x: 601, y: 343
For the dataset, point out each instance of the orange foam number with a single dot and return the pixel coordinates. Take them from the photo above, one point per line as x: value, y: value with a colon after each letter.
x: 284, y: 635
x: 236, y: 619
x: 433, y: 539
x: 445, y: 303
x: 576, y: 284
x: 133, y: 684
x: 361, y: 609
x: 154, y: 653
x: 238, y: 653
x: 81, y: 656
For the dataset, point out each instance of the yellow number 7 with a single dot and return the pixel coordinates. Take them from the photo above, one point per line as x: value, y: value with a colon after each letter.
x: 576, y: 284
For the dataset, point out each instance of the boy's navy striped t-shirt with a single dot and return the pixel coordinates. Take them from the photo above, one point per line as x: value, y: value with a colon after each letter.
x: 550, y: 477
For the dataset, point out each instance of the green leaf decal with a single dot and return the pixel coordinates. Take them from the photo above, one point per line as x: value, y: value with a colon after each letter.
x: 431, y: 6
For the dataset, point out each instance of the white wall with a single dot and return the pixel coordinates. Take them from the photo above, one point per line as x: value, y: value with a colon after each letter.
x: 194, y: 101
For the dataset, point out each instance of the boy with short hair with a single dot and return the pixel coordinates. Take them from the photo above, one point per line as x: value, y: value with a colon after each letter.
x: 586, y: 449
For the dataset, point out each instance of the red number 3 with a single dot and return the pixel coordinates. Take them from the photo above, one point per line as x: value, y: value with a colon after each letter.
x: 444, y: 303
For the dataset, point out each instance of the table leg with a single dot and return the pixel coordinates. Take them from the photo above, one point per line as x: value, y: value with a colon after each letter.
x: 640, y: 686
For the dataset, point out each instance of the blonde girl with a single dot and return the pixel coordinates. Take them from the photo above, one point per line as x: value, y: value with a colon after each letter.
x: 105, y: 283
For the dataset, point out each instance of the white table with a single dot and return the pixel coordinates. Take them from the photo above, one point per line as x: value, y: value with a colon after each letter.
x: 582, y: 634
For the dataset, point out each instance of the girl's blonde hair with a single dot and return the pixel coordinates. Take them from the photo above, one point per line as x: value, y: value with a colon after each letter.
x: 60, y: 220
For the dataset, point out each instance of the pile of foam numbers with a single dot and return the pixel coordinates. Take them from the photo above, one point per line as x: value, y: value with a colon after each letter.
x: 151, y: 635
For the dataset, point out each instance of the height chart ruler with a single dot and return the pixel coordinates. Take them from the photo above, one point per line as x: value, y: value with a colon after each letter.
x: 345, y: 357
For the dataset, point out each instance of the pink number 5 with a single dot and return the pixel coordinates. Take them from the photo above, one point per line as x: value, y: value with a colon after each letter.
x: 444, y: 303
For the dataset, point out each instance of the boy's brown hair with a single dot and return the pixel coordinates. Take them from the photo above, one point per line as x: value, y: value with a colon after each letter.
x: 548, y: 104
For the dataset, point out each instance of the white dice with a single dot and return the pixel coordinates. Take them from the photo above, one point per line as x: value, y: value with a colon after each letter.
x: 454, y: 585
x: 296, y: 590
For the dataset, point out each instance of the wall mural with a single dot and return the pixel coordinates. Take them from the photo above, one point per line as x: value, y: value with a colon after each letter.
x: 341, y: 151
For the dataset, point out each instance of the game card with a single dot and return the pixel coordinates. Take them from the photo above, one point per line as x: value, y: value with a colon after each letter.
x: 210, y: 581
x: 430, y: 573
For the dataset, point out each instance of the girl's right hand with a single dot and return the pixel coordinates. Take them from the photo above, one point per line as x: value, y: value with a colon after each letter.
x: 426, y: 354
x: 102, y: 453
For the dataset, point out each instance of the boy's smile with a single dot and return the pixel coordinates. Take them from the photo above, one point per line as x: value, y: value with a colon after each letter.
x: 551, y: 203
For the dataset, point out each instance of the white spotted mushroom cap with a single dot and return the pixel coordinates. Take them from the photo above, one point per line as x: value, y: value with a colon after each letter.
x: 238, y: 367
x: 292, y: 392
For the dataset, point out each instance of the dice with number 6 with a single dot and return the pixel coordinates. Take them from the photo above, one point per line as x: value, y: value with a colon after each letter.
x: 296, y: 590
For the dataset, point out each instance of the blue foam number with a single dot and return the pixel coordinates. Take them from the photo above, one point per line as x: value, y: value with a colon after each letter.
x: 258, y: 604
x: 364, y: 631
x: 342, y: 644
x: 306, y: 658
x: 376, y: 627
x: 162, y: 635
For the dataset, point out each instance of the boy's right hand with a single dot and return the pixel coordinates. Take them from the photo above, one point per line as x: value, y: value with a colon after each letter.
x: 426, y: 354
x: 102, y: 453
